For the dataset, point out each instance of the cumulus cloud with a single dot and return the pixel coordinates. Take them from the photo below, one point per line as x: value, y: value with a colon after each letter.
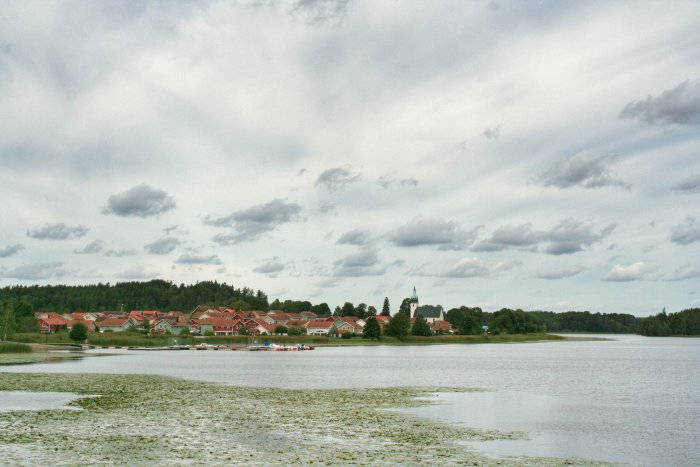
x: 336, y: 178
x: 568, y: 236
x: 250, y: 224
x: 689, y: 185
x: 354, y: 237
x: 679, y: 105
x: 687, y: 271
x: 474, y: 267
x: 686, y: 232
x: 58, y: 232
x: 586, y: 169
x: 136, y: 272
x: 37, y: 271
x: 139, y: 201
x: 554, y: 274
x: 162, y: 246
x: 271, y: 268
x: 633, y: 272
x: 446, y: 235
x: 364, y: 262
x: 90, y: 249
x: 10, y: 250
x: 196, y: 259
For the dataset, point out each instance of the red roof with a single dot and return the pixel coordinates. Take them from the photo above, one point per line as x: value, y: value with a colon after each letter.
x: 112, y: 322
x: 219, y: 322
x: 319, y: 324
x: 54, y: 321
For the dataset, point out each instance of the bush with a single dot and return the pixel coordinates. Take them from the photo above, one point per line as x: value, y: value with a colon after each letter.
x: 78, y: 332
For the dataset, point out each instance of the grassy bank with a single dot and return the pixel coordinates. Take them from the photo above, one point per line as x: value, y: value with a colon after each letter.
x: 145, y: 420
x: 14, y: 347
x: 135, y: 339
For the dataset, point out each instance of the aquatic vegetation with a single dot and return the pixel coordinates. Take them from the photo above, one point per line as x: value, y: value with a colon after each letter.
x: 140, y: 419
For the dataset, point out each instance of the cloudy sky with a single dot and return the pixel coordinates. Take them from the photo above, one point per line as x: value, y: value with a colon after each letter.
x: 541, y: 155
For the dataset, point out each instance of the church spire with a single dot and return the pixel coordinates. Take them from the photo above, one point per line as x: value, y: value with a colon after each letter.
x: 414, y: 296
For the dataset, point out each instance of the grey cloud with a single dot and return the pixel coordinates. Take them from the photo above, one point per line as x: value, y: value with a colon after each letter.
x: 586, y: 169
x: 37, y: 271
x: 320, y: 12
x: 336, y: 178
x: 568, y: 236
x: 688, y: 185
x: 386, y: 181
x: 58, y: 232
x: 162, y: 246
x: 271, y: 268
x: 626, y: 273
x: 250, y: 224
x: 493, y: 133
x: 686, y: 232
x: 169, y: 230
x: 408, y: 182
x: 120, y: 253
x: 687, y: 271
x: 364, y: 262
x: 446, y: 235
x: 561, y: 273
x: 474, y: 267
x: 195, y: 259
x: 354, y: 237
x: 679, y: 105
x: 90, y: 249
x: 139, y: 201
x: 10, y: 250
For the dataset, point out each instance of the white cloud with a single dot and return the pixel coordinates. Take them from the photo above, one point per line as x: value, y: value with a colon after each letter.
x: 632, y: 272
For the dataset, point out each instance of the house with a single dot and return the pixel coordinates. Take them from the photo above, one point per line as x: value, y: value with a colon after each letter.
x: 259, y: 327
x: 116, y: 324
x: 318, y: 328
x: 52, y: 323
x: 221, y: 326
x: 170, y: 324
x: 341, y: 326
x: 442, y: 327
x: 431, y: 313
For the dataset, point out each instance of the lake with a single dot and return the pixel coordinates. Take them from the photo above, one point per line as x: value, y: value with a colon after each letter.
x: 629, y: 399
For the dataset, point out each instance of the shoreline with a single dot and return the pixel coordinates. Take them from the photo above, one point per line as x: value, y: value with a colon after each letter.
x: 177, y: 421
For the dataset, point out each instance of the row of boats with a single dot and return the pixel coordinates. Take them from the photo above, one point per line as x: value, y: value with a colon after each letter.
x: 267, y: 346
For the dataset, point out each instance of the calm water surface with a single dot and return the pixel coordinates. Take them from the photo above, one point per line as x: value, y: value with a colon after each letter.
x: 631, y: 399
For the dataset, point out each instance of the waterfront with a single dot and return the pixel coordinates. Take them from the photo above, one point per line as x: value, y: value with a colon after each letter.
x: 631, y: 399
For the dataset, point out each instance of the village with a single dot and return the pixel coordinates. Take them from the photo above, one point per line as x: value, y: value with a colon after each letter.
x: 223, y: 321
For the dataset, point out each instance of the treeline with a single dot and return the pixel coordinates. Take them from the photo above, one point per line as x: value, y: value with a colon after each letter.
x: 156, y: 295
x: 470, y: 321
x: 683, y: 323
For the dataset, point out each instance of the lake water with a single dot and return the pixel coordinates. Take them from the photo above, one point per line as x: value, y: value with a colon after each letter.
x: 630, y: 399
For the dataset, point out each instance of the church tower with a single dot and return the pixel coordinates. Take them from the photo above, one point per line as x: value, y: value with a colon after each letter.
x: 414, y: 303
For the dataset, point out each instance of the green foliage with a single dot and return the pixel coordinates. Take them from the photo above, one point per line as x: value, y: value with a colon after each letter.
x: 296, y: 331
x: 347, y: 335
x: 467, y: 320
x: 371, y: 311
x: 683, y: 323
x: 7, y: 319
x: 347, y: 310
x: 507, y: 321
x: 372, y: 330
x: 322, y: 309
x: 78, y: 332
x: 398, y: 327
x: 151, y: 295
x: 360, y: 310
x: 386, y: 309
x: 14, y: 347
x: 281, y: 329
x: 405, y: 307
x: 421, y: 327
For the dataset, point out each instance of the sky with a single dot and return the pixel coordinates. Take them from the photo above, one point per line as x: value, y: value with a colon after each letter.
x: 537, y: 155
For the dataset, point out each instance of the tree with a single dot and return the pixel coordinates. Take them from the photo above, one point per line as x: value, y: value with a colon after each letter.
x: 361, y: 310
x: 371, y: 311
x: 371, y: 329
x: 386, y: 310
x: 421, y: 327
x: 7, y: 319
x: 78, y: 333
x: 280, y: 329
x: 347, y: 310
x: 322, y: 309
x: 398, y: 327
x: 405, y: 307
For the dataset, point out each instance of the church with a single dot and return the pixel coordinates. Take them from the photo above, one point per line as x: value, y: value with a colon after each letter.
x: 432, y: 314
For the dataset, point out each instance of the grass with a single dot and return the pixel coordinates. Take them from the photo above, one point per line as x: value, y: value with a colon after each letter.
x: 150, y: 420
x: 14, y: 347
